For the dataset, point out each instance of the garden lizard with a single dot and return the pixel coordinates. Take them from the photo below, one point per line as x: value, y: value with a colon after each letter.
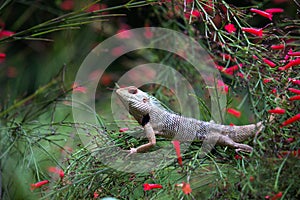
x: 157, y: 120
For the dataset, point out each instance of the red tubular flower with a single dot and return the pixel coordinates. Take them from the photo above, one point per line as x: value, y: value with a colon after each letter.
x: 196, y: 13
x: 149, y: 186
x: 277, y: 111
x: 67, y: 5
x: 238, y: 157
x: 122, y: 130
x: 289, y: 140
x: 291, y: 64
x: 269, y: 62
x: 274, y: 10
x: 56, y: 170
x: 5, y: 33
x: 230, y: 28
x: 262, y: 13
x: 294, y: 98
x: 232, y: 69
x: 277, y: 47
x: 254, y: 31
x: 148, y: 33
x: 294, y: 53
x: 77, y: 88
x: 96, y: 195
x: 227, y: 57
x: 38, y: 184
x: 177, y: 149
x: 223, y: 86
x: 291, y: 120
x: 293, y: 90
x: 94, y: 8
x: 186, y: 188
x: 295, y: 81
x: 234, y: 112
x: 266, y: 80
x: 2, y: 55
x: 277, y: 196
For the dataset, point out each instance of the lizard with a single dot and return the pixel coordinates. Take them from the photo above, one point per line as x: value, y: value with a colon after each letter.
x: 157, y: 120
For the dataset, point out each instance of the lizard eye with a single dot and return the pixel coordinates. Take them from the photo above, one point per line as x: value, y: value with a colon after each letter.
x: 132, y: 90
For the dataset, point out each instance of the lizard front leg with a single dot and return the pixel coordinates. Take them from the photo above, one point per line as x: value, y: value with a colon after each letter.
x: 151, y: 137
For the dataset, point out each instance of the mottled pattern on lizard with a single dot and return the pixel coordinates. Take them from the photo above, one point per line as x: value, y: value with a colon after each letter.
x: 156, y: 120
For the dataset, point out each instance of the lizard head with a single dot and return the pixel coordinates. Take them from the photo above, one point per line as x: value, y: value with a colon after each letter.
x: 136, y: 101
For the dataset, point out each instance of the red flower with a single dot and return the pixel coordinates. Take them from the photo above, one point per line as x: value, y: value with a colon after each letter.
x: 148, y: 33
x: 293, y: 90
x: 277, y: 47
x: 254, y: 31
x: 277, y: 196
x: 196, y: 13
x: 274, y: 10
x: 262, y: 13
x: 124, y: 32
x: 67, y: 5
x: 56, y: 170
x: 266, y: 80
x: 223, y: 86
x: 231, y: 124
x: 238, y: 157
x: 290, y: 120
x: 251, y: 178
x: 177, y: 149
x: 79, y: 89
x: 96, y: 195
x: 227, y: 57
x: 149, y: 186
x: 269, y: 62
x: 291, y: 64
x: 186, y: 188
x: 291, y: 53
x: 289, y: 140
x: 230, y: 28
x: 5, y: 33
x: 2, y: 57
x: 94, y: 7
x: 117, y: 51
x: 295, y: 81
x: 232, y: 69
x: 234, y: 112
x: 294, y: 98
x: 38, y: 184
x: 121, y: 130
x: 277, y: 111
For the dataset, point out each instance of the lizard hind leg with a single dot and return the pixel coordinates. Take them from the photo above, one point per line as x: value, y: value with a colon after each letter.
x: 226, y: 141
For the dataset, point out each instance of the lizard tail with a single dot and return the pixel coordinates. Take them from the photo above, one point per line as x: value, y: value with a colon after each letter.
x: 242, y: 133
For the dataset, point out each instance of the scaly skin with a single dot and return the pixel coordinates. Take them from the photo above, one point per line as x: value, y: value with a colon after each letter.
x: 158, y: 121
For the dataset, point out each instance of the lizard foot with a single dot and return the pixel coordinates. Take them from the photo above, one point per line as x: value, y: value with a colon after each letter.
x: 131, y: 152
x: 244, y: 147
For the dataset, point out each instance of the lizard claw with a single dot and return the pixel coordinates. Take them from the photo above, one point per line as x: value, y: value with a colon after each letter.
x: 131, y: 152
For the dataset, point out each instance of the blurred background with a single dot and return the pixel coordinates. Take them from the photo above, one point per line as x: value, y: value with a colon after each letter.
x: 42, y: 45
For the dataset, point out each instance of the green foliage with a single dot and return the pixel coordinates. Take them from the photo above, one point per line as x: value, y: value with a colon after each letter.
x: 37, y: 129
